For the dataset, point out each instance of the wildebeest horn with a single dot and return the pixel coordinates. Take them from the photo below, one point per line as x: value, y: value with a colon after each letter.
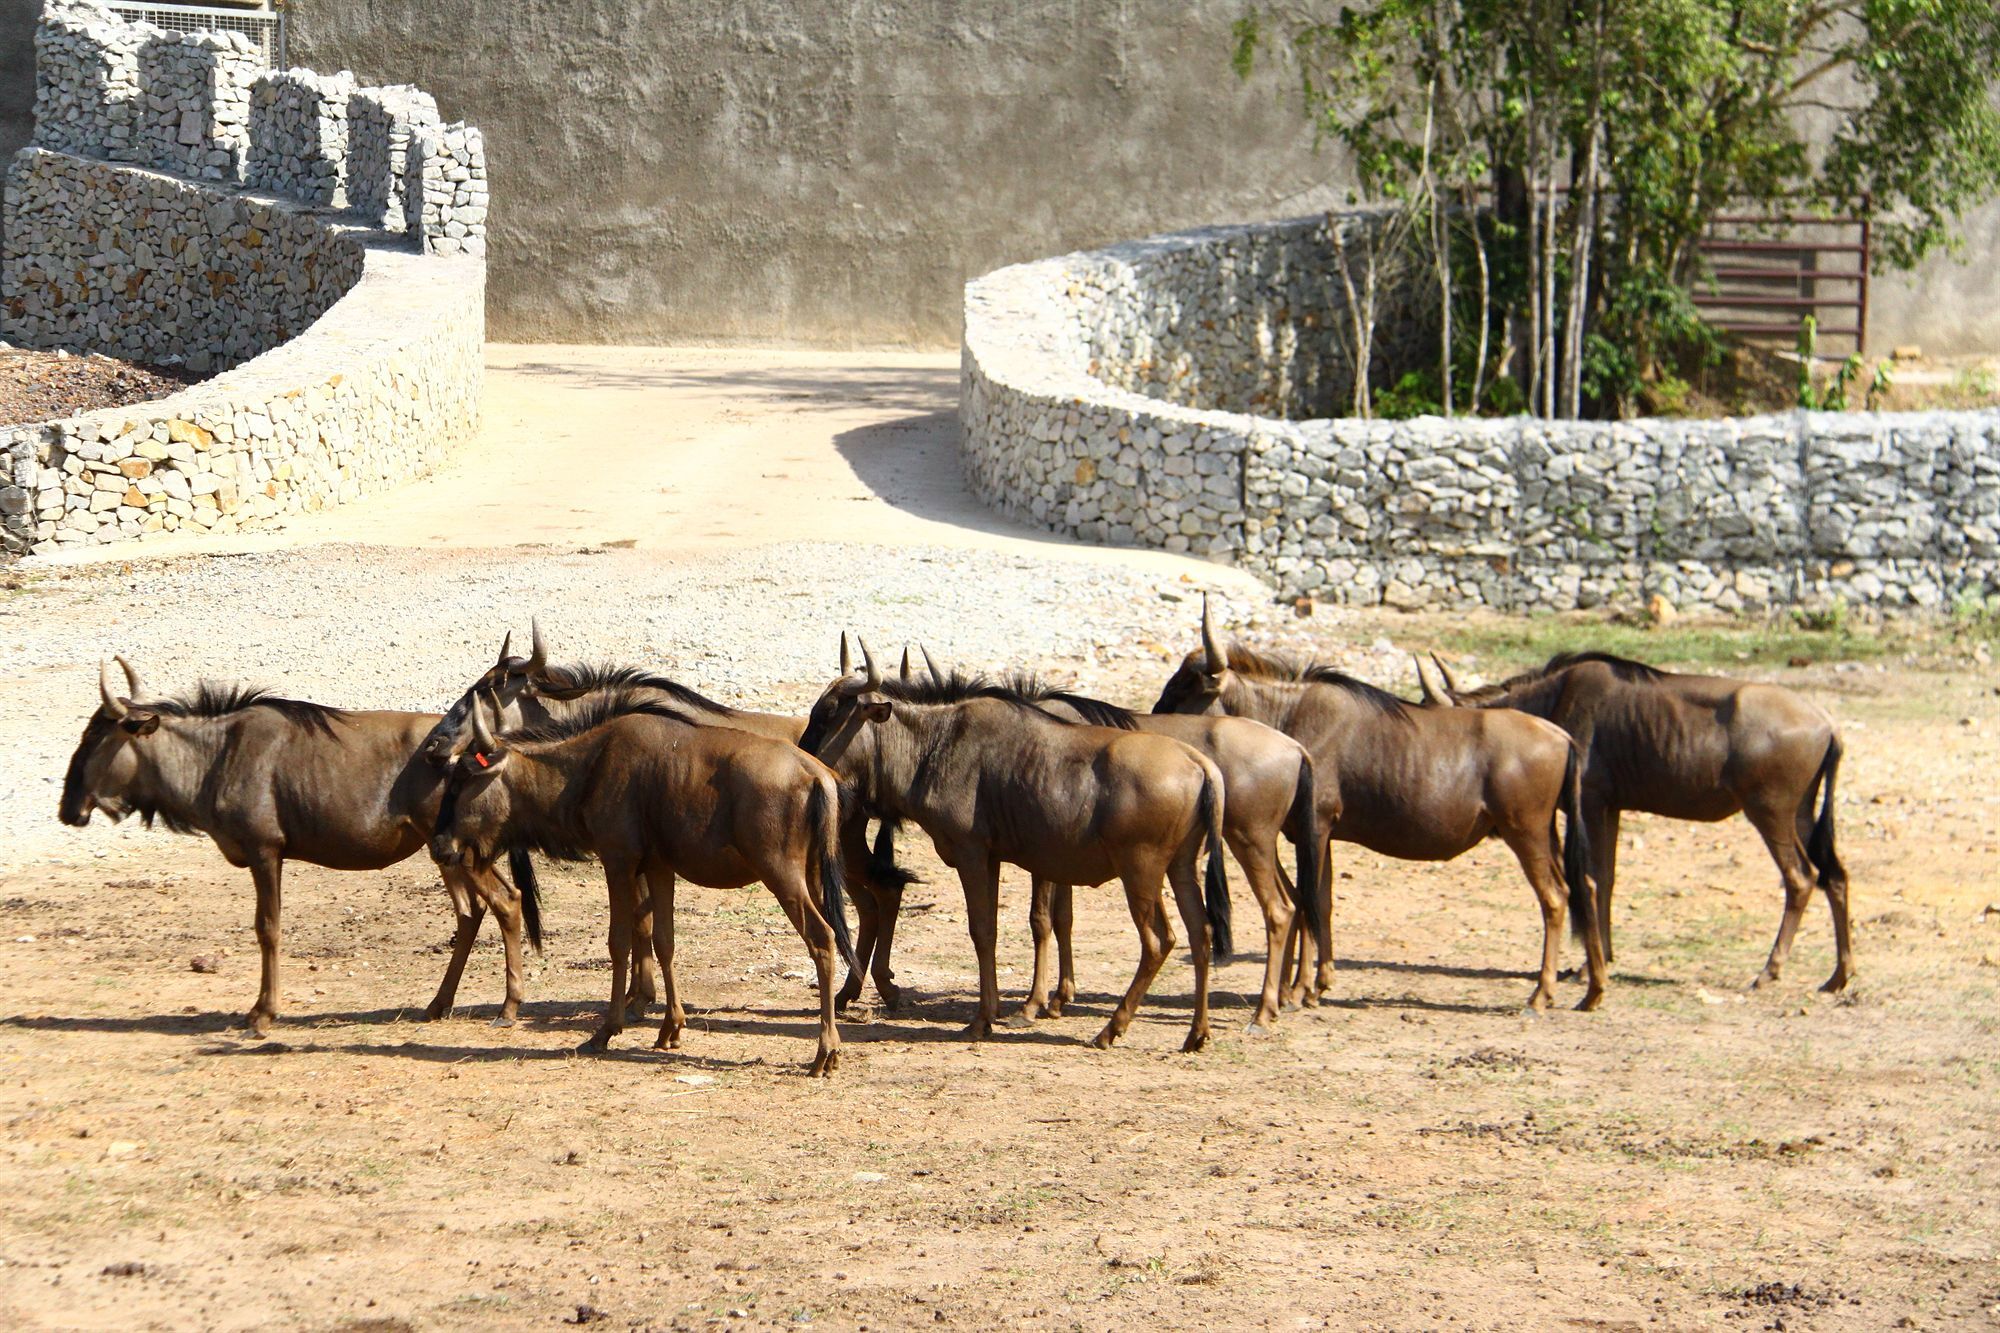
x: 506, y: 648
x: 480, y: 735
x: 1217, y: 663
x: 1431, y: 695
x: 869, y: 663
x: 1451, y: 684
x: 846, y: 657
x: 538, y: 654
x: 133, y: 690
x: 904, y: 670
x: 930, y: 665
x: 112, y: 705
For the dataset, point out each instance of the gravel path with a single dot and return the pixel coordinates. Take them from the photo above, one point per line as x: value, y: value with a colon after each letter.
x: 384, y: 627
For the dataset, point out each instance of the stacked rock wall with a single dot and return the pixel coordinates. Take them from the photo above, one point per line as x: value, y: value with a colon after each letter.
x: 350, y: 357
x: 1891, y: 510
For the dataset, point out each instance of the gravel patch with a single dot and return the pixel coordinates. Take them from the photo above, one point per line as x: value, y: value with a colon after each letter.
x: 380, y: 627
x: 40, y: 386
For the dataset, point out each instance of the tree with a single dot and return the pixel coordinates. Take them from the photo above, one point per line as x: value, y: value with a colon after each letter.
x: 1567, y: 155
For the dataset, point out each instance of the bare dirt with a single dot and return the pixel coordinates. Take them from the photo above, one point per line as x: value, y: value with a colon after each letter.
x: 38, y: 386
x: 1417, y: 1152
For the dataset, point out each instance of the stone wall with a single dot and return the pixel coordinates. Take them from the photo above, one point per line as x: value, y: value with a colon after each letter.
x: 1889, y: 510
x: 349, y: 344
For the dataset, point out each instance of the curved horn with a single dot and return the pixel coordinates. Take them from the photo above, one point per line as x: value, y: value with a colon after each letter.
x: 904, y: 670
x: 112, y: 704
x: 931, y: 666
x: 538, y: 654
x: 869, y: 663
x: 481, y: 737
x: 1431, y: 696
x: 506, y: 649
x: 1451, y: 684
x: 1218, y: 661
x: 133, y: 690
x: 846, y: 657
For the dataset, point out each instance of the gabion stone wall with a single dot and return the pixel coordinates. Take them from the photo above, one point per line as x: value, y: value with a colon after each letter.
x: 1890, y: 510
x: 163, y: 268
x: 350, y: 354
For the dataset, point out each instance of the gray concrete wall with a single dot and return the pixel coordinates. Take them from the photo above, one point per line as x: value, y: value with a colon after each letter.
x: 832, y: 171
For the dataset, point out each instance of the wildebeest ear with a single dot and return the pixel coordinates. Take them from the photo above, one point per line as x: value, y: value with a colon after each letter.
x: 876, y: 710
x: 139, y: 722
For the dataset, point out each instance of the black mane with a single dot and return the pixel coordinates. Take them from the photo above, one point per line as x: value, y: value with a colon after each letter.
x: 1094, y: 712
x: 599, y: 710
x: 590, y: 679
x: 1624, y: 668
x: 1276, y: 666
x: 211, y: 699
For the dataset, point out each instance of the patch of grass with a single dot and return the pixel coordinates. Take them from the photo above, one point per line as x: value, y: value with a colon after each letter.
x: 1533, y: 640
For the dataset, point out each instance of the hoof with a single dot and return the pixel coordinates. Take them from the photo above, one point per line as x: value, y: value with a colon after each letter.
x: 1590, y: 1002
x: 844, y: 997
x: 503, y: 1020
x: 823, y: 1064
x: 1538, y: 1002
x: 1195, y: 1042
x: 1835, y: 984
x: 977, y: 1030
x: 1103, y: 1040
x: 892, y: 998
x: 436, y: 1015
x: 1024, y: 1019
x: 1762, y: 979
x: 595, y: 1044
x: 257, y: 1023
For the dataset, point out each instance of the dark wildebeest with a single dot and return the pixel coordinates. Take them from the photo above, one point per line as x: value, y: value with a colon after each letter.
x: 1270, y: 789
x: 994, y: 779
x: 652, y: 793
x: 271, y: 780
x: 528, y: 691
x: 1420, y: 784
x: 1701, y: 748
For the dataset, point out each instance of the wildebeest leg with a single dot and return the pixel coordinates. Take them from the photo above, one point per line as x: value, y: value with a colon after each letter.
x: 470, y: 909
x: 788, y: 885
x: 660, y: 882
x: 1602, y: 826
x: 505, y: 901
x: 1142, y: 896
x: 621, y: 886
x: 644, y: 992
x: 979, y: 877
x: 1260, y: 865
x: 1063, y: 914
x: 1835, y: 885
x: 1187, y: 895
x: 867, y: 924
x: 1780, y: 835
x: 888, y: 907
x: 1041, y: 925
x: 1323, y: 968
x: 268, y: 874
x: 1540, y: 865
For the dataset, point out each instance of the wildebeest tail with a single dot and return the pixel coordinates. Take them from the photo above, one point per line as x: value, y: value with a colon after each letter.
x: 1576, y: 847
x: 1819, y: 847
x: 883, y: 872
x: 523, y: 868
x: 823, y: 823
x: 1215, y: 891
x: 1309, y: 896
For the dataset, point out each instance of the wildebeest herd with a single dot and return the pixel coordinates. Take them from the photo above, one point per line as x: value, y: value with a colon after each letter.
x: 1242, y: 748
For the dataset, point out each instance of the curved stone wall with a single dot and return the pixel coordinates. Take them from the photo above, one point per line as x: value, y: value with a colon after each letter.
x: 1097, y: 395
x: 345, y: 312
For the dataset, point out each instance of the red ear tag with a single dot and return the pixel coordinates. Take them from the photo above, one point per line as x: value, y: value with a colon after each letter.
x: 480, y: 759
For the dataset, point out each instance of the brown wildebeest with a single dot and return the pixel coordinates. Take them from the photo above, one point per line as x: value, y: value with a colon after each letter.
x: 652, y: 793
x: 994, y: 779
x: 271, y: 780
x: 528, y: 691
x: 1270, y: 789
x: 1416, y: 783
x: 1699, y: 748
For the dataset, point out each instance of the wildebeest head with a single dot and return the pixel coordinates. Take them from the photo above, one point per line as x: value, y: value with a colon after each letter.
x: 108, y: 759
x: 473, y: 811
x: 507, y: 682
x: 1196, y: 687
x: 846, y: 708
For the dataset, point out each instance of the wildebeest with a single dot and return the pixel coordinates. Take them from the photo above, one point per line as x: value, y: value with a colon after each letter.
x: 1700, y: 748
x: 1270, y: 788
x: 271, y: 780
x: 1420, y: 784
x: 653, y: 794
x: 993, y: 779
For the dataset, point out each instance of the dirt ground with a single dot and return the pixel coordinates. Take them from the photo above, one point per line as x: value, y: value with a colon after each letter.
x: 1417, y: 1152
x: 35, y: 386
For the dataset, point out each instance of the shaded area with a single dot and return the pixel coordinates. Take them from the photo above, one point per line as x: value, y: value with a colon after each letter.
x: 38, y: 386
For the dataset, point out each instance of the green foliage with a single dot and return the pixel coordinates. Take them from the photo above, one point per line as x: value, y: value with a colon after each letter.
x: 1414, y: 395
x: 1828, y: 619
x: 1661, y: 114
x: 1832, y: 397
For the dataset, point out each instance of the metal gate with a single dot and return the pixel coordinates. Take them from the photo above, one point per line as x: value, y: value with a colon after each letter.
x: 1767, y: 272
x: 264, y: 27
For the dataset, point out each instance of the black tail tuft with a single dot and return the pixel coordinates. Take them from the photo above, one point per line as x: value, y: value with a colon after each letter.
x: 1309, y: 896
x: 883, y: 872
x: 523, y: 868
x: 1576, y: 849
x: 823, y: 821
x: 1215, y: 891
x: 1819, y: 847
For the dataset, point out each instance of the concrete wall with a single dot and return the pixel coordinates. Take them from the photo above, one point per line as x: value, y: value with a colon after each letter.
x: 813, y: 171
